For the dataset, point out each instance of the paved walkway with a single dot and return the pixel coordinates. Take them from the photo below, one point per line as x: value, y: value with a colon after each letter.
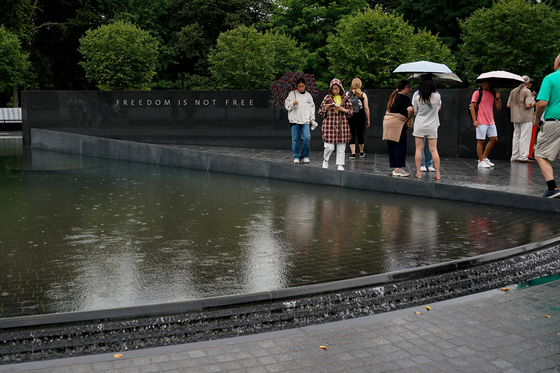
x: 497, y: 331
x: 506, y: 176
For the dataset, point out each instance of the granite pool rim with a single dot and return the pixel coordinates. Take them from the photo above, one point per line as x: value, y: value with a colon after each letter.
x: 287, y: 294
x: 177, y: 156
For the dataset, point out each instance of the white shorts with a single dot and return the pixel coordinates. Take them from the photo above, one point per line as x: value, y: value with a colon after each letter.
x: 484, y: 130
x: 432, y: 136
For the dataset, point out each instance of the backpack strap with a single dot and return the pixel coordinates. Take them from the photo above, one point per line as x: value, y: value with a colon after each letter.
x: 480, y: 91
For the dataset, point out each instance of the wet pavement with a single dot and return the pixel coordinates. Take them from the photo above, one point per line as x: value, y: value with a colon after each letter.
x: 515, y: 331
x: 505, y: 176
x: 497, y: 331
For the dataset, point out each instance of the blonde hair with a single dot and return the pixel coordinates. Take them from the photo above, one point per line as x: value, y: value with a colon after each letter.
x: 356, y: 87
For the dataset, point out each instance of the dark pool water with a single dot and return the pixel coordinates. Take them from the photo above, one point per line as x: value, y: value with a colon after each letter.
x: 82, y: 233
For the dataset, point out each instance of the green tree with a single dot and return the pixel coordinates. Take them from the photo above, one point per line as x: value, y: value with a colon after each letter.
x: 373, y: 43
x: 119, y: 56
x: 387, y: 5
x: 310, y: 22
x: 196, y: 25
x: 247, y: 59
x: 14, y: 62
x: 53, y: 46
x: 516, y: 43
x: 152, y: 16
x: 17, y: 17
x: 440, y: 17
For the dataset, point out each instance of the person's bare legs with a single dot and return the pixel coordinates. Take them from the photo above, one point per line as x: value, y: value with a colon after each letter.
x: 480, y: 149
x: 546, y: 168
x: 432, y: 145
x: 418, y: 154
x: 361, y: 147
x: 489, y: 146
x: 352, y: 148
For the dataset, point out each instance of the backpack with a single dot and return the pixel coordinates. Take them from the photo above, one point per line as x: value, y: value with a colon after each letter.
x: 356, y: 101
x: 478, y: 103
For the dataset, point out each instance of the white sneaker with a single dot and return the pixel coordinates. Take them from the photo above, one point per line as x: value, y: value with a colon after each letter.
x: 305, y: 160
x: 431, y: 169
x: 423, y: 169
x: 325, y: 164
x: 489, y: 163
x: 401, y: 173
x: 340, y: 167
x: 296, y: 161
x: 483, y: 164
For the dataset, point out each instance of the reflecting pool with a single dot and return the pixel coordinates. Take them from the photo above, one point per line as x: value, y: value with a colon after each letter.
x: 82, y: 233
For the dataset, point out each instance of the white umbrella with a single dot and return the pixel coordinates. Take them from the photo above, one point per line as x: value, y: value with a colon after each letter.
x: 438, y: 78
x: 500, y: 77
x: 423, y: 67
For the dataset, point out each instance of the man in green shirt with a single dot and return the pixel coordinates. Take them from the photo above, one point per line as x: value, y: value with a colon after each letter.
x: 548, y: 141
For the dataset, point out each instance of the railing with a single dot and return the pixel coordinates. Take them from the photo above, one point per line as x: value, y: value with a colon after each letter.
x: 10, y: 115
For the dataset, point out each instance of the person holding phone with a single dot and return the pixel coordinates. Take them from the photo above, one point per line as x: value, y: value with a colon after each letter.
x: 335, y: 108
x: 301, y: 113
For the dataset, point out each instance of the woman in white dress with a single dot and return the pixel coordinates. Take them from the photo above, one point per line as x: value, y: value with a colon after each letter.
x: 426, y: 108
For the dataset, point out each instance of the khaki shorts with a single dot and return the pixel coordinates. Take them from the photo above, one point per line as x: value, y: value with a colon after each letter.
x: 548, y: 141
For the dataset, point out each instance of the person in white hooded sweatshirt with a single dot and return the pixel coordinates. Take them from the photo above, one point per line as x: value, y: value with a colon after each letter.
x: 301, y: 113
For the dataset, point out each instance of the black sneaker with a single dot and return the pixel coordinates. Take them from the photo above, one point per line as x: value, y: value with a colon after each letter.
x: 352, y: 156
x: 552, y: 193
x: 362, y: 155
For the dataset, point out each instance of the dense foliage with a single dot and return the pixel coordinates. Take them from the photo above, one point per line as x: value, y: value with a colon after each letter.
x: 310, y: 22
x: 513, y: 42
x: 247, y: 59
x: 373, y: 43
x: 474, y: 36
x: 14, y: 63
x: 119, y: 56
x: 441, y: 17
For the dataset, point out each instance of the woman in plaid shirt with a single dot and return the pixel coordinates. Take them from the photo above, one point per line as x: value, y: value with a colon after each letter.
x: 335, y: 108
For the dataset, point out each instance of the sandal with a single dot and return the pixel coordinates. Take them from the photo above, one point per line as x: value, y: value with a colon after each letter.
x: 418, y: 176
x: 437, y: 177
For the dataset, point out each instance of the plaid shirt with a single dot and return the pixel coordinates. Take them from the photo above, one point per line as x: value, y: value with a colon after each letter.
x: 335, y: 125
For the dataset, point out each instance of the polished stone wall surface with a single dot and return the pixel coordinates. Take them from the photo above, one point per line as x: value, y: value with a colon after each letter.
x: 231, y: 118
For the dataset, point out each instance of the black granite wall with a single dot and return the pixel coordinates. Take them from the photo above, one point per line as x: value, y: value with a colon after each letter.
x: 231, y: 118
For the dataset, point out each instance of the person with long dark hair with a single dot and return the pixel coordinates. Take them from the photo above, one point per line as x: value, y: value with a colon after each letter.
x: 399, y: 111
x: 426, y: 108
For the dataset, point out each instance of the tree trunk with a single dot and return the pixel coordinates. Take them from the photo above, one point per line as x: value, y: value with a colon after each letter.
x: 16, y: 98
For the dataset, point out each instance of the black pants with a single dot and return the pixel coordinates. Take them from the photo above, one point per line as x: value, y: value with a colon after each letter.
x: 397, y: 150
x: 357, y: 124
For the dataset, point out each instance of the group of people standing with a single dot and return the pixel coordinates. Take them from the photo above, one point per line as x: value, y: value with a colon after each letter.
x: 422, y: 112
x: 346, y: 114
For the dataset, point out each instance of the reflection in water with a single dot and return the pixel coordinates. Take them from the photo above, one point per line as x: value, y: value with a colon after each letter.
x: 106, y: 234
x: 521, y: 173
x: 264, y: 252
